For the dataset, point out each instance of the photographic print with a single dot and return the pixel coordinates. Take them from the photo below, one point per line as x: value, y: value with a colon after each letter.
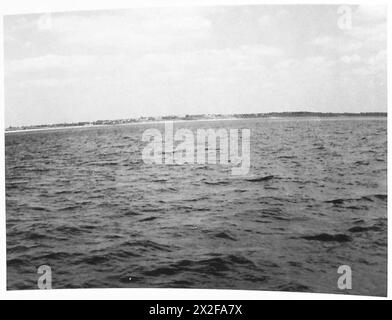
x: 210, y: 147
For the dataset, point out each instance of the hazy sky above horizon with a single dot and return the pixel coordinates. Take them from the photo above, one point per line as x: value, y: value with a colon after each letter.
x: 84, y: 66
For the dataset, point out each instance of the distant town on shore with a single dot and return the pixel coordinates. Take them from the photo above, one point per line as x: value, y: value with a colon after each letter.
x: 200, y: 117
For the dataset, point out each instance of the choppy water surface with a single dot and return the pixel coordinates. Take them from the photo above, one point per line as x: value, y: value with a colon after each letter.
x: 83, y: 202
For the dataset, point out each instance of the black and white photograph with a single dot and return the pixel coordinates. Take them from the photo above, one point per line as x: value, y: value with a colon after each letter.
x: 238, y: 147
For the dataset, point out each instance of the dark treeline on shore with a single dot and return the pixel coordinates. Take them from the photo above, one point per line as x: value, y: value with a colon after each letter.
x: 203, y: 117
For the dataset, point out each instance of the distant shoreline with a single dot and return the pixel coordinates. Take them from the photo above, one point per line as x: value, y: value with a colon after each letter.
x: 193, y: 118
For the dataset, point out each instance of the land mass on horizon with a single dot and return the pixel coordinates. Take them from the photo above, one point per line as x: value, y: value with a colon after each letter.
x: 200, y: 117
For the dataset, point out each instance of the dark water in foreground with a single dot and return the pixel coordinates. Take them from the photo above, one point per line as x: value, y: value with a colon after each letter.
x: 83, y: 202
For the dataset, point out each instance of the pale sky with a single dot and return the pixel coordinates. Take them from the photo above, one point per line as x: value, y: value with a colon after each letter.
x: 85, y: 66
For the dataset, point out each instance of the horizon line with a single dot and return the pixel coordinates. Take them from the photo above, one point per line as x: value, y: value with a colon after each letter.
x: 201, y: 116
